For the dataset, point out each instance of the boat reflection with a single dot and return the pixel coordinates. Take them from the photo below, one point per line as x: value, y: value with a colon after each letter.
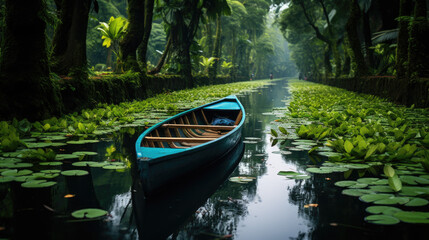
x: 158, y: 216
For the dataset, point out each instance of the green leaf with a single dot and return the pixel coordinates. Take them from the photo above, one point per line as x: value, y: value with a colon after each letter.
x: 388, y: 170
x: 274, y: 133
x: 375, y: 197
x: 348, y: 146
x: 370, y: 151
x: 345, y: 183
x: 283, y: 130
x: 417, y: 202
x: 387, y: 210
x: 38, y: 184
x: 382, y: 219
x: 288, y: 173
x: 412, y: 217
x: 90, y: 213
x: 74, y: 173
x: 395, y: 183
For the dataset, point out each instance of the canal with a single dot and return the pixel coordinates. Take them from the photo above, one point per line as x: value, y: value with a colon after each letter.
x: 207, y: 205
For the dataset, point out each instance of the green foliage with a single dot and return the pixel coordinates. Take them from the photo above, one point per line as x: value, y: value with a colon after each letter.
x: 112, y: 33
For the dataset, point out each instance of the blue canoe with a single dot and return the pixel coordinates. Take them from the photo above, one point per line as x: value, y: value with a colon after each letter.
x: 188, y: 141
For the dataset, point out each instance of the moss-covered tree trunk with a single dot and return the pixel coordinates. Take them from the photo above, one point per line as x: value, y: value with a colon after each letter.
x: 161, y: 61
x: 142, y: 49
x: 134, y: 35
x: 216, y: 48
x: 405, y: 8
x: 353, y: 36
x: 369, y: 56
x: 418, y: 50
x: 69, y: 41
x: 26, y: 91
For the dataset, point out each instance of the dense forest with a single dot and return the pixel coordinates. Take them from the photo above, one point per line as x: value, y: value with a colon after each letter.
x: 45, y: 44
x: 48, y: 45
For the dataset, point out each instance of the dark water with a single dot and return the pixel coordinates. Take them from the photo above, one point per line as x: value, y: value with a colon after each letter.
x: 205, y: 205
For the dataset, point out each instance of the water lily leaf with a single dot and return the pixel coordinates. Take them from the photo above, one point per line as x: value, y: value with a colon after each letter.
x: 369, y: 181
x: 356, y: 166
x: 38, y: 184
x: 417, y: 202
x: 412, y: 217
x: 356, y: 192
x: 345, y: 183
x: 330, y: 154
x: 51, y: 171
x: 375, y: 197
x: 299, y: 177
x: 53, y: 138
x: 74, y: 173
x: 82, y: 141
x: 413, y: 180
x: 288, y: 173
x: 387, y: 210
x: 381, y: 188
x: 45, y: 175
x: 90, y: 213
x: 50, y: 163
x: 413, y: 191
x: 392, y: 201
x: 359, y: 185
x: 111, y: 166
x: 318, y: 170
x: 5, y: 179
x: 304, y: 143
x: 61, y: 157
x: 86, y: 164
x: 381, y: 182
x: 241, y: 179
x: 382, y: 219
x: 16, y: 172
x: 83, y: 153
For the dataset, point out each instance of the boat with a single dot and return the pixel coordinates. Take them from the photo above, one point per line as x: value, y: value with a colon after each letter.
x: 188, y: 141
x: 161, y: 215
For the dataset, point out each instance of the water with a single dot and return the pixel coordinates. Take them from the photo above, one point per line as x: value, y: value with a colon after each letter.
x: 205, y: 205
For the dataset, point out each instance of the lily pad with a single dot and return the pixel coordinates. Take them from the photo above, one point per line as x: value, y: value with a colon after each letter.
x: 288, y: 173
x: 60, y: 157
x: 82, y: 141
x: 241, y: 179
x: 382, y: 219
x: 413, y: 217
x: 387, y: 210
x: 90, y: 213
x: 356, y: 166
x: 83, y: 153
x: 375, y: 197
x: 38, y: 184
x: 392, y: 201
x: 356, y: 192
x: 319, y: 170
x: 16, y: 172
x: 381, y: 188
x: 417, y: 202
x: 46, y: 175
x: 413, y: 180
x: 299, y: 177
x: 330, y: 154
x: 5, y: 179
x: 50, y: 163
x: 413, y: 191
x: 369, y: 181
x: 345, y: 183
x: 74, y: 173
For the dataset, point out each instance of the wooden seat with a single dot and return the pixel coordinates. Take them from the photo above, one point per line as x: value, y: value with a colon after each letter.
x: 193, y: 126
x: 178, y: 139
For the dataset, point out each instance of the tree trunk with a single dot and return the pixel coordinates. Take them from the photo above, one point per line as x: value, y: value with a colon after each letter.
x: 161, y: 61
x: 405, y: 9
x: 134, y: 35
x: 369, y: 56
x: 418, y: 65
x: 327, y: 62
x: 142, y: 49
x: 26, y: 91
x: 216, y: 48
x: 233, y: 71
x: 351, y: 28
x: 69, y: 41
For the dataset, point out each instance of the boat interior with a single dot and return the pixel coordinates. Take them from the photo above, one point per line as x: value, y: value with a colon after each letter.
x: 194, y: 128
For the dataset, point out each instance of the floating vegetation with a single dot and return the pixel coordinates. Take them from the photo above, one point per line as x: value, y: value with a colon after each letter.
x: 241, y: 179
x: 89, y: 213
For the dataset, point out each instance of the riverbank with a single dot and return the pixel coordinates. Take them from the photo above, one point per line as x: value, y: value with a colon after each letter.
x: 388, y: 87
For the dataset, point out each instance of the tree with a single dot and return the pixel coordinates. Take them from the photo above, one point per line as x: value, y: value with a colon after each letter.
x: 140, y: 17
x: 69, y: 41
x: 112, y: 33
x: 353, y: 38
x: 26, y: 89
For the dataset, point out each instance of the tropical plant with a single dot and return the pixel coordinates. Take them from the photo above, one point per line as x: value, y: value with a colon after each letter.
x: 112, y: 33
x: 207, y: 63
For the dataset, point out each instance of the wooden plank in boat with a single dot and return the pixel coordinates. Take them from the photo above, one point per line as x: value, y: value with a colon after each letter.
x: 178, y: 139
x: 212, y: 127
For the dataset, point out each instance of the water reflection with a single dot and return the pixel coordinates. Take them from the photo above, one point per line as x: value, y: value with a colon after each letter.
x: 159, y: 216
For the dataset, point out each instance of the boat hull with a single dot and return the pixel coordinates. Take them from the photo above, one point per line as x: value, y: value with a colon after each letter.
x: 158, y: 172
